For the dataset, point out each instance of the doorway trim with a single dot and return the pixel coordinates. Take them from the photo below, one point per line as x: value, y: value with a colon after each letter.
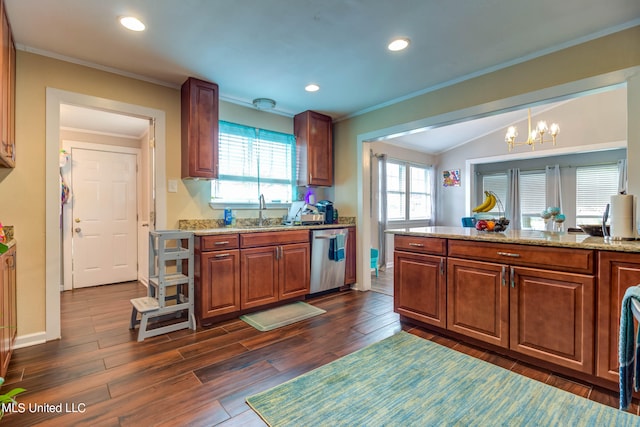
x: 54, y: 98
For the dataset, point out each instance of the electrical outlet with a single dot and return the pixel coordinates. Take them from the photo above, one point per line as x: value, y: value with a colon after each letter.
x: 172, y: 186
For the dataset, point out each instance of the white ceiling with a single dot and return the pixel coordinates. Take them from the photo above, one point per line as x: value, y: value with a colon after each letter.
x: 258, y: 48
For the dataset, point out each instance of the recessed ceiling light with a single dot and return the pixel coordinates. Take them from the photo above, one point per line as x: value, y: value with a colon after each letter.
x: 312, y: 87
x: 131, y: 23
x: 398, y: 44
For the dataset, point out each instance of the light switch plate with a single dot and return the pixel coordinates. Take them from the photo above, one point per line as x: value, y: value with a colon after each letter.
x: 172, y: 186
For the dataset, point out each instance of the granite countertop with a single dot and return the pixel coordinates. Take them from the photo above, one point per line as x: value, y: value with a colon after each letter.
x: 526, y: 237
x: 256, y: 229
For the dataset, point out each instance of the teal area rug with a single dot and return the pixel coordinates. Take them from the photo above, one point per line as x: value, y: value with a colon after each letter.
x: 278, y: 317
x: 405, y: 380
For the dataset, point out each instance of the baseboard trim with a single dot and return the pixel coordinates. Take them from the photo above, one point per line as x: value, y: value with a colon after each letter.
x: 30, y: 339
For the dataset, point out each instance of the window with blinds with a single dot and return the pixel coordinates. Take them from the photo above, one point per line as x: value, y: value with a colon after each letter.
x: 408, y: 192
x: 499, y: 184
x: 594, y: 187
x: 532, y: 199
x: 252, y: 162
x: 396, y: 191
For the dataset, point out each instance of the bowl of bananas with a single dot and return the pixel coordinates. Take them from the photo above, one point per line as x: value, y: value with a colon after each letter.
x: 485, y: 219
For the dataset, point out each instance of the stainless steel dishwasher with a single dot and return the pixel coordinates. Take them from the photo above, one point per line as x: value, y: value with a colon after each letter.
x: 328, y: 251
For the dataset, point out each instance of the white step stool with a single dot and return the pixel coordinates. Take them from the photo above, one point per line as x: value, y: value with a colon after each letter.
x: 174, y: 249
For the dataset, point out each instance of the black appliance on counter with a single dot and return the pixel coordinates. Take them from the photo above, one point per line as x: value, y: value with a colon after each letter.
x: 326, y: 207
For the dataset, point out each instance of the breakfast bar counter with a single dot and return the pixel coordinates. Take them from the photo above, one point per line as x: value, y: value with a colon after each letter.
x: 525, y: 237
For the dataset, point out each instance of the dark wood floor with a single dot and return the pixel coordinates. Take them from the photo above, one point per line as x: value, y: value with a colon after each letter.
x: 200, y: 378
x: 384, y: 282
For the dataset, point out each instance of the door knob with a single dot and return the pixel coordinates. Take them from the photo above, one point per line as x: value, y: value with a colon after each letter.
x: 77, y: 220
x: 77, y: 229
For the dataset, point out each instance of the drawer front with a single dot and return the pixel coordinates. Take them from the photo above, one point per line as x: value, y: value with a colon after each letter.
x: 550, y: 258
x: 271, y: 238
x: 219, y: 242
x: 427, y: 245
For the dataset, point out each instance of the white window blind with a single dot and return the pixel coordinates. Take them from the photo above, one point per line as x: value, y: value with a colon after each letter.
x: 498, y: 183
x: 532, y: 199
x: 532, y: 193
x: 253, y: 162
x: 594, y: 187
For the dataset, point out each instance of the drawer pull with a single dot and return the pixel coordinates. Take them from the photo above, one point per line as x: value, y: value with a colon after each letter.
x: 222, y: 243
x: 418, y: 245
x: 223, y: 255
x: 509, y: 254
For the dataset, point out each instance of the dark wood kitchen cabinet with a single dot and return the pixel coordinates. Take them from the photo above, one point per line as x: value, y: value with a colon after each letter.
x: 350, y: 257
x: 617, y: 271
x: 420, y: 279
x: 478, y: 300
x: 542, y: 313
x: 217, y: 276
x: 199, y: 105
x: 274, y: 266
x: 7, y: 92
x: 8, y: 307
x: 314, y: 146
x: 552, y: 317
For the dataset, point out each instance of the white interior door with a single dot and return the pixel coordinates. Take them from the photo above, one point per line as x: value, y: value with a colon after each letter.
x: 104, y: 223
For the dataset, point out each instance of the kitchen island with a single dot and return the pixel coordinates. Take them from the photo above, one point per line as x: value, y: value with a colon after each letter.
x: 550, y: 299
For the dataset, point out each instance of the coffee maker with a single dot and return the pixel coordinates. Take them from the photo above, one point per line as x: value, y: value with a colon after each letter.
x: 326, y: 207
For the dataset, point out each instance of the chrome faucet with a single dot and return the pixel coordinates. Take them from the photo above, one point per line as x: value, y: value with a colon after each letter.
x: 262, y: 206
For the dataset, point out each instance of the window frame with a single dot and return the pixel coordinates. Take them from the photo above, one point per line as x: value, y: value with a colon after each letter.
x: 408, y: 191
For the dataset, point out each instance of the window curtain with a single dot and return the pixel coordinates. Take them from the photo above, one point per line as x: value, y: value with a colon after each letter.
x: 513, y: 199
x: 432, y: 195
x: 382, y: 220
x: 553, y: 190
x: 622, y: 176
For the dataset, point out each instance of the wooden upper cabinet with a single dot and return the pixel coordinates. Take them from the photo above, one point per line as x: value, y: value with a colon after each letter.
x: 7, y: 92
x: 199, y: 129
x: 314, y: 144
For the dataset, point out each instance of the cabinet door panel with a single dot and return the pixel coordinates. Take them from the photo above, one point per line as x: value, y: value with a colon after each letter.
x: 478, y: 300
x: 294, y: 270
x: 220, y: 287
x: 419, y: 287
x: 199, y: 105
x: 350, y: 259
x: 314, y: 145
x: 258, y: 277
x: 617, y: 272
x: 552, y: 317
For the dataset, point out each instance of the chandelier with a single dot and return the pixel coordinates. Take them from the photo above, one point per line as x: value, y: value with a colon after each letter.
x: 534, y: 136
